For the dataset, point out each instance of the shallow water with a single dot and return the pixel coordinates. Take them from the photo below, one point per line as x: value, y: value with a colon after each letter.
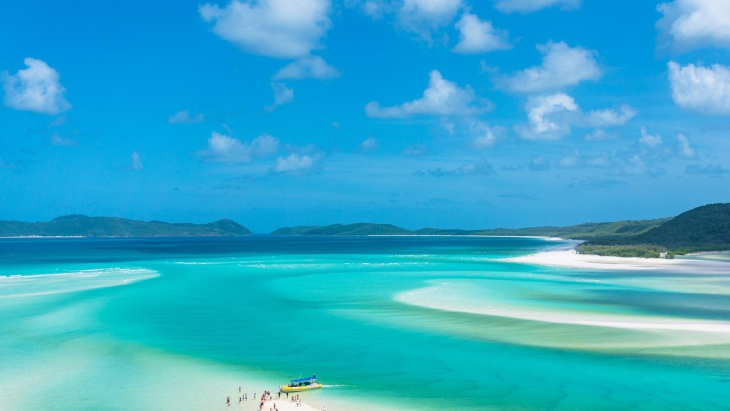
x: 395, y: 322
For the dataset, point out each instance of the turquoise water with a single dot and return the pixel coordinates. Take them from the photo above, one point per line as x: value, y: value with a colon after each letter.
x: 416, y: 323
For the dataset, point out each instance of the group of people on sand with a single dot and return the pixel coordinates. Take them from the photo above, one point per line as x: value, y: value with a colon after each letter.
x: 295, y: 399
x: 265, y: 397
x: 242, y: 397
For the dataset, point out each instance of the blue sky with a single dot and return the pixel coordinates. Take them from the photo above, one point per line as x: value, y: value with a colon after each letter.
x: 447, y: 113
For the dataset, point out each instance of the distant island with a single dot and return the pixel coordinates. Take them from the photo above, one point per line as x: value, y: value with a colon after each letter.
x: 577, y: 232
x: 705, y: 228
x: 84, y: 226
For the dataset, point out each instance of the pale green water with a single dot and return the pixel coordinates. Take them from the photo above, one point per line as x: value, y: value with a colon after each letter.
x: 407, y: 323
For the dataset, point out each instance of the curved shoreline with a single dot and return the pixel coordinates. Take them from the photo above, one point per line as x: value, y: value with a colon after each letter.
x: 569, y: 258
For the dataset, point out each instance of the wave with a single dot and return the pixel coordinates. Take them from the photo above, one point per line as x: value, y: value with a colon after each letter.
x: 18, y: 286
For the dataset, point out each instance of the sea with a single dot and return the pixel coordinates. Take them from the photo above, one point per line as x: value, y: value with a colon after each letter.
x: 385, y: 323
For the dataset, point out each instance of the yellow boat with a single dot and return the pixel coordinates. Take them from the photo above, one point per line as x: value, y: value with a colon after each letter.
x: 302, y: 384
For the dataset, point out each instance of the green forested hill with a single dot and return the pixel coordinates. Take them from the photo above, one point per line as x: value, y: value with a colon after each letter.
x: 580, y: 231
x: 703, y: 228
x: 577, y: 232
x: 83, y: 226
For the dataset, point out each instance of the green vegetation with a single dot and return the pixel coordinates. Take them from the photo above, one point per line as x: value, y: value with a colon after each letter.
x: 639, y: 250
x: 705, y: 228
x: 578, y: 232
x: 83, y: 226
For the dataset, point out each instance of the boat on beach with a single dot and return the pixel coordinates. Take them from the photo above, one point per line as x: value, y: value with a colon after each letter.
x: 302, y: 384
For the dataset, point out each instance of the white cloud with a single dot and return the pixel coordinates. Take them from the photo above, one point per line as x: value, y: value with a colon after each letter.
x: 36, y: 88
x: 702, y: 89
x: 227, y: 149
x: 374, y: 8
x: 136, y: 162
x: 264, y: 144
x: 528, y: 6
x: 307, y: 67
x: 184, y: 117
x: 610, y: 117
x: 282, y: 95
x: 562, y: 66
x: 60, y: 141
x: 649, y: 140
x: 369, y: 144
x: 571, y: 160
x: 600, y: 134
x: 295, y: 163
x: 688, y: 24
x: 273, y: 28
x: 549, y: 117
x: 486, y: 136
x: 478, y: 36
x: 434, y: 12
x: 442, y: 97
x: 685, y: 149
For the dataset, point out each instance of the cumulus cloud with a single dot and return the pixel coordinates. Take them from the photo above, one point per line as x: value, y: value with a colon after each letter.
x: 528, y: 6
x: 421, y: 16
x: 225, y: 149
x: 136, y: 162
x: 478, y: 36
x: 369, y: 144
x: 442, y: 97
x: 295, y: 163
x: 60, y: 141
x: 650, y: 140
x: 610, y: 117
x: 184, y: 117
x: 36, y: 88
x: 549, y: 117
x: 571, y: 160
x: 562, y: 66
x: 273, y: 28
x: 486, y: 136
x: 282, y: 95
x: 688, y: 24
x: 684, y: 148
x: 264, y: 145
x: 307, y: 67
x: 701, y: 89
x: 375, y: 9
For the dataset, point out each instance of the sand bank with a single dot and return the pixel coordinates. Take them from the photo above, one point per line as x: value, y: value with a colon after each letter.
x: 571, y: 259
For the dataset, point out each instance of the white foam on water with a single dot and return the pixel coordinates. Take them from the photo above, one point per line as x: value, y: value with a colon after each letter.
x: 19, y: 286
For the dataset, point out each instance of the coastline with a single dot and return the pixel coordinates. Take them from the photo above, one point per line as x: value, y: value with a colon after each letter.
x: 561, y: 256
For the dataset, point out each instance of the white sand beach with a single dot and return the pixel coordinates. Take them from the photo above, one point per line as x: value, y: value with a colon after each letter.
x: 571, y: 259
